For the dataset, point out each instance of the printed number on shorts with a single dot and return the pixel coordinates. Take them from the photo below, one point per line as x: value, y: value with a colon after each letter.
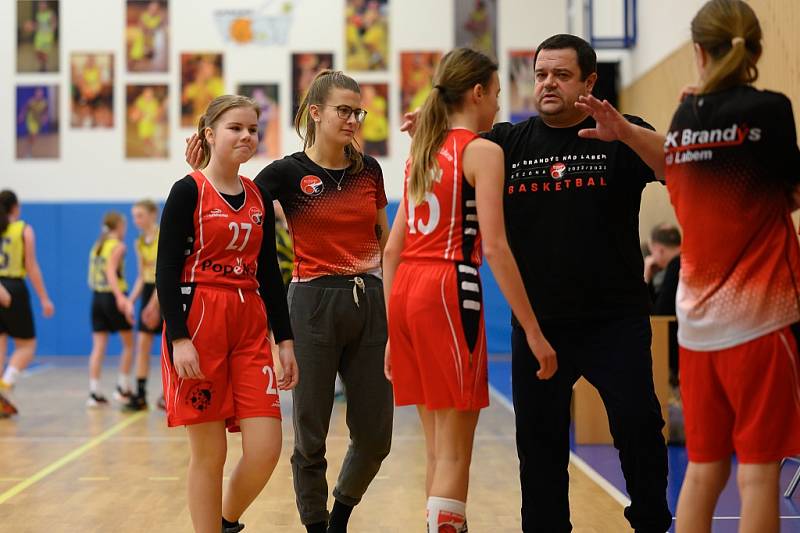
x: 236, y: 229
x: 271, y: 385
x: 414, y: 225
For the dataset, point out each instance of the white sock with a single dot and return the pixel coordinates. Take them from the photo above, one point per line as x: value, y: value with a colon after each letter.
x: 444, y: 511
x: 94, y: 385
x: 11, y: 374
x: 124, y: 381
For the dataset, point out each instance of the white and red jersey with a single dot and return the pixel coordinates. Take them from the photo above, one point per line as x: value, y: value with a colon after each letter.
x: 732, y: 160
x: 445, y: 225
x: 227, y: 240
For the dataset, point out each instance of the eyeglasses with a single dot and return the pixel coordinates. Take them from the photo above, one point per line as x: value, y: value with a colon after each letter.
x: 344, y: 112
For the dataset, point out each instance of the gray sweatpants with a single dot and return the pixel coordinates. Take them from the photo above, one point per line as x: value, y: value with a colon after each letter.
x: 334, y: 334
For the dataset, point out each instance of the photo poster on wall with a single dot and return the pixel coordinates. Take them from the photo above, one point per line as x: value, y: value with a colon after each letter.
x: 146, y: 121
x: 373, y: 135
x: 92, y: 90
x: 416, y: 78
x: 476, y: 25
x: 305, y: 66
x: 269, y: 128
x: 37, y: 36
x: 366, y: 29
x: 37, y: 122
x: 146, y: 35
x: 201, y: 82
x: 521, y: 81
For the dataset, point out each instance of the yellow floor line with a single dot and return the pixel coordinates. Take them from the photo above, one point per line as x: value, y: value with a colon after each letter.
x: 71, y: 456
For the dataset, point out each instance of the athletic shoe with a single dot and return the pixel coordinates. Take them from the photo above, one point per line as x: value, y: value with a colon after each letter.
x: 122, y: 396
x: 7, y: 408
x: 135, y: 403
x: 5, y: 386
x: 96, y: 400
x: 233, y: 529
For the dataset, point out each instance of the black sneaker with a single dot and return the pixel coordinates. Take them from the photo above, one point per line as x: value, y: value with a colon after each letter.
x: 135, y: 403
x: 122, y: 396
x: 232, y: 529
x: 7, y: 408
x: 96, y: 400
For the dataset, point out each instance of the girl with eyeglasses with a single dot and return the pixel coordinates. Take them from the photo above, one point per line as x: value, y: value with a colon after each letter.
x: 334, y: 201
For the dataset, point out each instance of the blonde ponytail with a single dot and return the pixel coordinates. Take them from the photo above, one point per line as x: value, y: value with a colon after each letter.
x: 729, y: 32
x: 458, y: 72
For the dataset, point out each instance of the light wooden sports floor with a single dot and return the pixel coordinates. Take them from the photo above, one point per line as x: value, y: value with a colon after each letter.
x: 64, y: 468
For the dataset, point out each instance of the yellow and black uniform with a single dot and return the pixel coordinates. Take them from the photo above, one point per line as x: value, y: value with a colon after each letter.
x: 147, y: 251
x: 105, y: 315
x: 16, y: 320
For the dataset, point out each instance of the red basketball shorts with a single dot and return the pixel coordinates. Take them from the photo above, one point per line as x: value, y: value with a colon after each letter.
x: 229, y: 332
x: 437, y: 336
x: 744, y: 399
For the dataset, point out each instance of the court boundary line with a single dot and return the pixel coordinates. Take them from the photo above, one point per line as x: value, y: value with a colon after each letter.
x: 69, y: 457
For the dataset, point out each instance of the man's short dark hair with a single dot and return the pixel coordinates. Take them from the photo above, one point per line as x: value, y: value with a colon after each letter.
x: 666, y: 235
x: 587, y: 58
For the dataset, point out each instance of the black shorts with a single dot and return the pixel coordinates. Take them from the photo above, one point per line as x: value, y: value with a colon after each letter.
x: 105, y: 315
x: 147, y: 293
x: 17, y: 320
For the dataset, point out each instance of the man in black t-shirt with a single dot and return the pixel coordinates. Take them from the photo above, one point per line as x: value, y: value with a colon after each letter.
x: 572, y: 218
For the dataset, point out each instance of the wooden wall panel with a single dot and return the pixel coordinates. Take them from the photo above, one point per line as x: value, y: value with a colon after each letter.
x: 654, y: 95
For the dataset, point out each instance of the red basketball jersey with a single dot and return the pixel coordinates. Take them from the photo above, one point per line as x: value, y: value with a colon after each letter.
x: 445, y: 225
x: 226, y: 240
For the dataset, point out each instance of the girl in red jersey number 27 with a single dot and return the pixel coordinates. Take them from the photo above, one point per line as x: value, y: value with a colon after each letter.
x: 218, y: 280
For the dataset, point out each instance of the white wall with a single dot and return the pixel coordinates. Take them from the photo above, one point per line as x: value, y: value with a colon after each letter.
x: 663, y: 28
x: 92, y: 165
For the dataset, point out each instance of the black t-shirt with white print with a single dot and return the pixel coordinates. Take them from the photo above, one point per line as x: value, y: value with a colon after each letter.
x: 572, y: 219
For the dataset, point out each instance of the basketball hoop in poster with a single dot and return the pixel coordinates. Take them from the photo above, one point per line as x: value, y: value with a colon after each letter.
x: 267, y: 25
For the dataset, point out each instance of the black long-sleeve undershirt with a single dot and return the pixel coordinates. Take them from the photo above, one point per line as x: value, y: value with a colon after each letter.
x: 174, y: 246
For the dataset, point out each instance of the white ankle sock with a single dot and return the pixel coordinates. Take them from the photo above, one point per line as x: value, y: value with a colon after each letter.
x: 443, y: 511
x: 94, y: 385
x: 10, y: 375
x: 124, y: 381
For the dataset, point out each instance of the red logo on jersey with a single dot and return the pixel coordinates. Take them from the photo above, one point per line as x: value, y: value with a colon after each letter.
x: 557, y: 170
x: 311, y: 185
x: 256, y: 216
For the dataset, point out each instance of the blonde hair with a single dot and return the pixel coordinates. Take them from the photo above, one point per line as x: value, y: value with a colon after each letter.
x: 317, y: 94
x: 218, y: 107
x: 112, y: 220
x: 458, y: 72
x: 728, y: 30
x: 148, y: 205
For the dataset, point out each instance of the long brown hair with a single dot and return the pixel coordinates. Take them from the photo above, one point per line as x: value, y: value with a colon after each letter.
x: 112, y: 220
x: 458, y: 72
x: 214, y: 111
x: 8, y: 201
x: 317, y: 94
x: 729, y: 32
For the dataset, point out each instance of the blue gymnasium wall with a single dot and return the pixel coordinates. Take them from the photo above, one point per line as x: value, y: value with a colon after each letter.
x: 65, y: 233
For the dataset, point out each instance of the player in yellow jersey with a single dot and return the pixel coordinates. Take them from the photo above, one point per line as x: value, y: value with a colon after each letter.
x: 145, y: 218
x: 44, y: 25
x: 112, y: 311
x: 34, y: 114
x: 17, y: 260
